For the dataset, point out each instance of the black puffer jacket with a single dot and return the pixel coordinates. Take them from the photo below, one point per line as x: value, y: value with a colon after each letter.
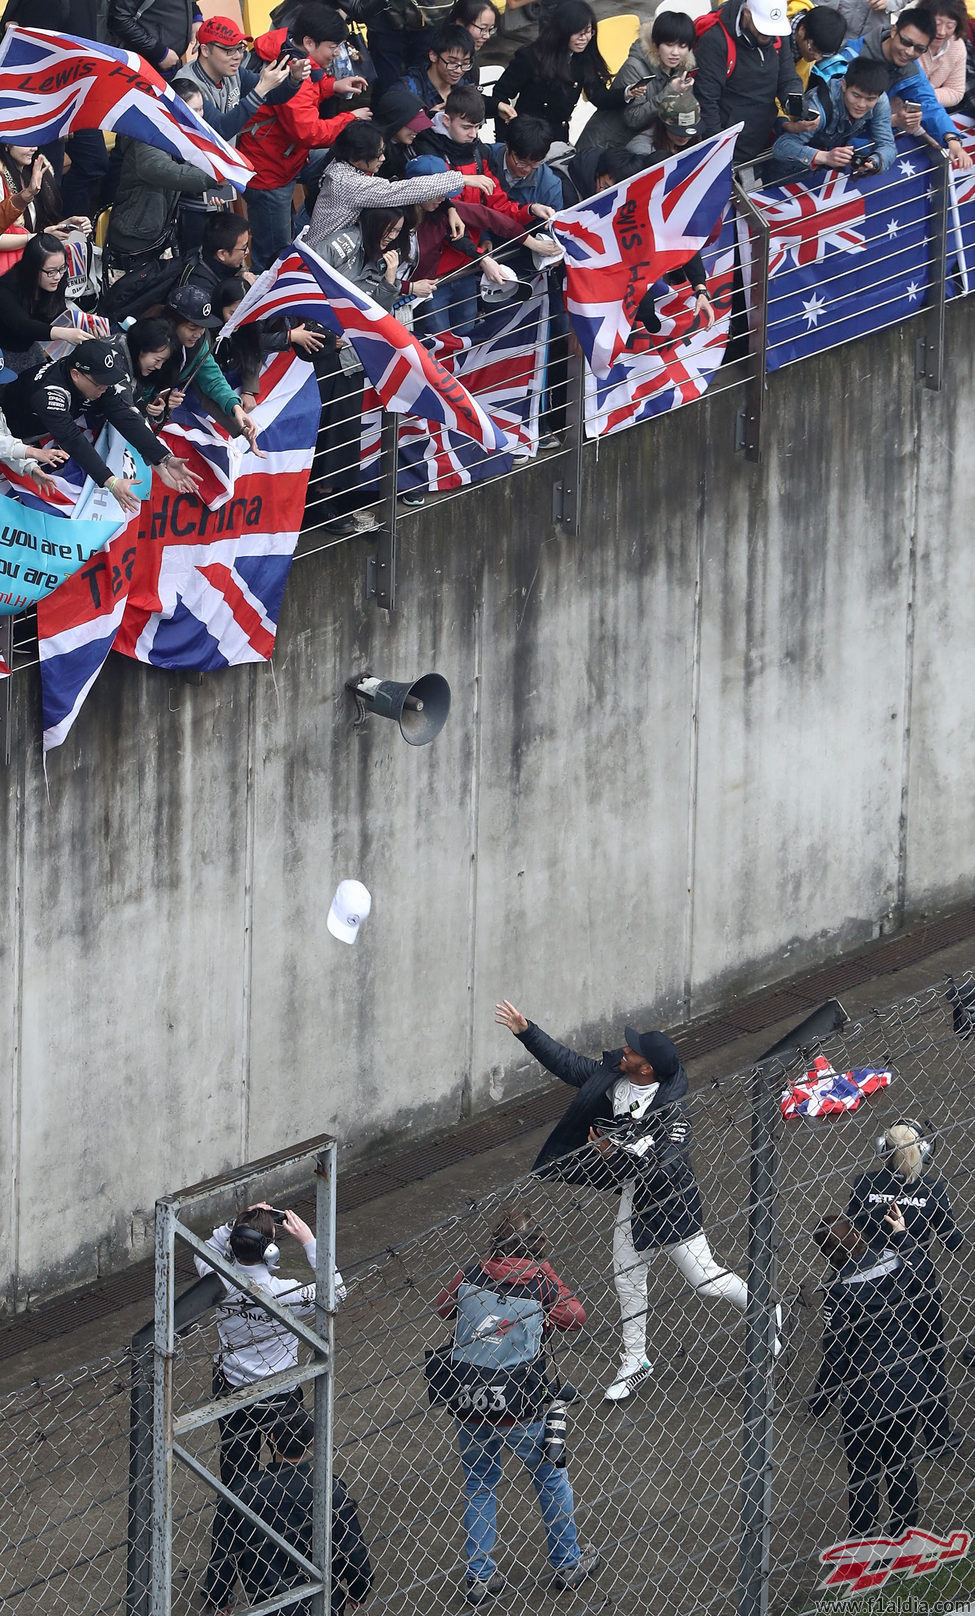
x: 165, y: 26
x: 761, y: 75
x: 666, y: 1199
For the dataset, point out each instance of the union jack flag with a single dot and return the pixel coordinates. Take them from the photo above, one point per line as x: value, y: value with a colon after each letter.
x: 409, y: 381
x: 184, y: 585
x: 502, y: 365
x: 806, y: 219
x: 617, y: 244
x: 673, y: 366
x: 53, y: 83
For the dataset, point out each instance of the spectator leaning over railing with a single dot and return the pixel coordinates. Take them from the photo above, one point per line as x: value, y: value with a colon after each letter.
x: 33, y: 307
x: 191, y: 315
x: 913, y: 103
x: 545, y: 80
x: 852, y: 126
x: 745, y: 66
x: 278, y: 139
x: 945, y: 59
x: 351, y: 182
x: 660, y: 54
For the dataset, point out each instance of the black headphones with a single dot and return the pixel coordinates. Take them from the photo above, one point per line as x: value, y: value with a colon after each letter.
x: 249, y: 1245
x: 924, y: 1138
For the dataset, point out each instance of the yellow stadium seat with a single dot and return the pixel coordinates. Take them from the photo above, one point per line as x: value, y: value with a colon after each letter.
x: 614, y: 36
x: 257, y: 17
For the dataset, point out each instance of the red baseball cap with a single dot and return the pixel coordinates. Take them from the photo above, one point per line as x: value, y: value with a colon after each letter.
x: 221, y: 31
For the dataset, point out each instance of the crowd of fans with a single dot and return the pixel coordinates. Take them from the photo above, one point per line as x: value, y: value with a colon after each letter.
x: 364, y: 126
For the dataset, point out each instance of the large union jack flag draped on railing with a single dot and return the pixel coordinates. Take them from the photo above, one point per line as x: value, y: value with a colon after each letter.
x: 673, y: 366
x: 409, y: 380
x: 618, y: 243
x: 185, y: 584
x: 53, y: 84
x: 502, y: 365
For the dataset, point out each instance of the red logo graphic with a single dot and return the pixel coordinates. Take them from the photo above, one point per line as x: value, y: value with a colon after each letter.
x: 863, y: 1564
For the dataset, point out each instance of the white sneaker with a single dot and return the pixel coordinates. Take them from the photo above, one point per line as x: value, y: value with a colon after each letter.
x: 632, y: 1372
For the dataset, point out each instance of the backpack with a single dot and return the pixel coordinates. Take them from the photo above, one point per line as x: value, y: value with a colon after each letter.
x: 140, y: 289
x: 712, y: 19
x: 495, y: 1366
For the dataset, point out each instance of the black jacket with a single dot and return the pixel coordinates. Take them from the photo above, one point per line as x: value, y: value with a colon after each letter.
x: 925, y: 1204
x: 282, y: 1496
x: 871, y: 1355
x: 45, y: 400
x: 554, y: 100
x: 761, y: 76
x: 164, y: 26
x: 666, y: 1199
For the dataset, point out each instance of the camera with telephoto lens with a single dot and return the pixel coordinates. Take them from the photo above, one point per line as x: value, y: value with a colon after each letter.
x: 553, y: 1436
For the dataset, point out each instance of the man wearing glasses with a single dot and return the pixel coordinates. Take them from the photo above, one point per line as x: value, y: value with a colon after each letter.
x: 913, y: 103
x: 450, y: 56
x: 232, y: 92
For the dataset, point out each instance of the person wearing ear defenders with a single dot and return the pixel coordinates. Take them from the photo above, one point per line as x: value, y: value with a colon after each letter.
x: 923, y: 1198
x: 252, y: 1343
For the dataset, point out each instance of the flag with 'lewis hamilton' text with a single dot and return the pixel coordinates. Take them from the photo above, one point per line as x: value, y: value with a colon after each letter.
x: 619, y: 242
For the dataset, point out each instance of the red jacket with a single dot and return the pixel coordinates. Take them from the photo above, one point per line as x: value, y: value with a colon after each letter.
x: 277, y: 140
x: 439, y: 254
x: 566, y: 1313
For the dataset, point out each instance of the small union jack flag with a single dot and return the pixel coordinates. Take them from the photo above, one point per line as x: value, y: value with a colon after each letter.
x: 806, y: 219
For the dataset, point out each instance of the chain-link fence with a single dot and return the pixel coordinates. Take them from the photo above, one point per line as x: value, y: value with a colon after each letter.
x: 656, y: 1475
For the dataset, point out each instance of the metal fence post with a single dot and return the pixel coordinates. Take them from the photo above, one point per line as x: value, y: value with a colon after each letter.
x: 382, y: 583
x: 567, y: 492
x: 164, y: 1342
x: 757, y: 1431
x: 931, y: 347
x: 756, y: 304
x: 325, y: 1169
x: 6, y: 688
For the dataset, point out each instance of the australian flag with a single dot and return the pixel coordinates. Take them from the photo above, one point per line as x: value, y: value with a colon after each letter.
x: 850, y: 255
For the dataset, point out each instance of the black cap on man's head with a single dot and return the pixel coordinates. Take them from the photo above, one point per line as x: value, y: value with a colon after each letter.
x: 657, y: 1050
x: 293, y: 1436
x: 99, y: 359
x: 194, y: 304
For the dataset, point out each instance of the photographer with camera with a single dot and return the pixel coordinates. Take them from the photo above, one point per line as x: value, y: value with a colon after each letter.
x: 630, y: 1110
x: 852, y: 128
x: 253, y: 1344
x: 495, y: 1384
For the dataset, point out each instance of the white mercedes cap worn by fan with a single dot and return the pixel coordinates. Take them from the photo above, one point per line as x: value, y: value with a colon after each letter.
x: 350, y: 906
x: 770, y: 16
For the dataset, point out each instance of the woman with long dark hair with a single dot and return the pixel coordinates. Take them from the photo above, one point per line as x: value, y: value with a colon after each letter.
x: 150, y: 348
x: 30, y: 192
x: 546, y: 79
x: 33, y: 305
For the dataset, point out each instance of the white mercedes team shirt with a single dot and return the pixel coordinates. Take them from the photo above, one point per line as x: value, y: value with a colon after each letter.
x: 252, y: 1343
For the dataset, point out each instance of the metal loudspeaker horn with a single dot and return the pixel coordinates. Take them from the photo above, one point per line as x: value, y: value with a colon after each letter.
x: 420, y: 709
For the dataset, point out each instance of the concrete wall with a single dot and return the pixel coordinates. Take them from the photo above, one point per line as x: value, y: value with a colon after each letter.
x: 722, y: 734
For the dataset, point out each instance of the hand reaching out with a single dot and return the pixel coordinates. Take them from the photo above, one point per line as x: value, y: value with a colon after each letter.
x: 506, y: 1015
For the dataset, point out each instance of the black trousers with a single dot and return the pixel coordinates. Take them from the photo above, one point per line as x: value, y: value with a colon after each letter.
x: 882, y: 1447
x: 243, y: 1431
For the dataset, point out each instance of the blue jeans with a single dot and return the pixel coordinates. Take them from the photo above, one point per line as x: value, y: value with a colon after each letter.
x: 453, y: 307
x: 480, y: 1456
x: 269, y: 216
